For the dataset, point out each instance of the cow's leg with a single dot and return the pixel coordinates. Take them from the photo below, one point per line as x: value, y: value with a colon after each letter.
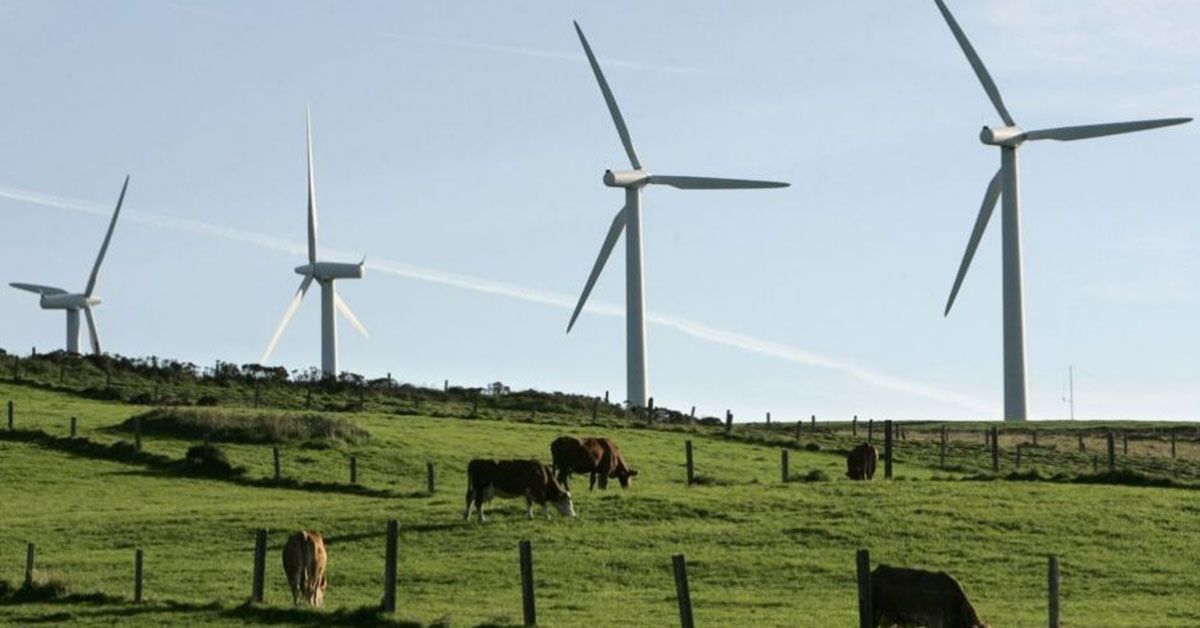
x: 467, y: 512
x: 479, y: 502
x: 563, y: 476
x: 591, y: 480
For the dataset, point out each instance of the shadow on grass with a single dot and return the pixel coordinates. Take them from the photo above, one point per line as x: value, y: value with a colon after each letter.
x: 125, y: 452
x: 1119, y: 477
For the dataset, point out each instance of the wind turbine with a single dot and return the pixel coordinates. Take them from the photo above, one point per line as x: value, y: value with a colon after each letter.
x: 58, y: 299
x: 325, y: 273
x: 1004, y: 184
x: 629, y: 220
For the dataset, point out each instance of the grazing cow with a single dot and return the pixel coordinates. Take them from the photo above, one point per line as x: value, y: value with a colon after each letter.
x: 304, y: 561
x: 597, y: 457
x: 902, y: 597
x: 515, y: 478
x: 860, y: 462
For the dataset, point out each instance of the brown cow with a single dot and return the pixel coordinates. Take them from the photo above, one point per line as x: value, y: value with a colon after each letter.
x: 901, y: 597
x: 515, y: 478
x: 860, y: 462
x: 304, y: 560
x: 597, y: 457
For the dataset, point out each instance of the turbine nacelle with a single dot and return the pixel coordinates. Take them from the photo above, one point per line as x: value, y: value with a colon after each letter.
x: 67, y: 301
x: 1010, y: 136
x: 325, y: 271
x: 626, y: 178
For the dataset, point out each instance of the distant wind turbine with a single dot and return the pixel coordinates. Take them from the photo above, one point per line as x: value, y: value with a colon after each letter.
x: 325, y: 273
x: 1004, y: 183
x: 629, y: 219
x: 59, y: 299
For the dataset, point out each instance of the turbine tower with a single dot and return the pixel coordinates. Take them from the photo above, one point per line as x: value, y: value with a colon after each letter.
x: 1004, y: 184
x: 629, y: 220
x: 325, y: 273
x: 59, y: 299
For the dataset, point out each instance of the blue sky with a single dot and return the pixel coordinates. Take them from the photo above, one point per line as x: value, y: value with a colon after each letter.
x: 459, y: 147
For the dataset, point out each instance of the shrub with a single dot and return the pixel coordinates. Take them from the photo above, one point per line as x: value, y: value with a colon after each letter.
x: 816, y: 475
x: 210, y: 459
x: 254, y: 429
x: 812, y: 446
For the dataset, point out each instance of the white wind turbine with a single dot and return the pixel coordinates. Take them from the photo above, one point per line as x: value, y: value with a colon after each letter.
x: 59, y: 299
x: 324, y: 273
x: 1004, y: 184
x: 629, y: 219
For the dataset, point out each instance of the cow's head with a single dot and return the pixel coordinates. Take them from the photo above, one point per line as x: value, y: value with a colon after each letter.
x: 624, y: 476
x: 564, y: 505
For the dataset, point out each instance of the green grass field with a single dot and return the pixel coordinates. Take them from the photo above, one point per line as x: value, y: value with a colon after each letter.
x: 760, y: 552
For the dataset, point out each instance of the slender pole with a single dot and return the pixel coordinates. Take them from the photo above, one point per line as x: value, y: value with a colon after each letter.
x: 1052, y: 577
x: 1013, y: 293
x: 1112, y: 452
x: 528, y: 604
x: 137, y: 576
x: 682, y: 593
x: 887, y: 449
x: 329, y: 356
x: 73, y: 428
x: 353, y: 469
x: 275, y: 456
x: 687, y: 451
x: 854, y: 426
x: 942, y: 451
x: 783, y: 465
x: 10, y: 415
x: 389, y: 567
x: 866, y: 611
x: 429, y: 477
x: 995, y: 451
x: 260, y: 566
x: 635, y: 322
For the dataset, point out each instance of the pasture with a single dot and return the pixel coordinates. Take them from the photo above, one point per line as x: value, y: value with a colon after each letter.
x: 760, y: 552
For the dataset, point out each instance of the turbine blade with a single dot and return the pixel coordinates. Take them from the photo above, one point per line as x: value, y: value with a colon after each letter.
x: 614, y: 232
x: 312, y: 193
x: 1088, y: 131
x: 42, y: 290
x: 989, y: 85
x: 345, y: 310
x: 93, y: 333
x: 91, y: 284
x: 610, y: 101
x: 287, y: 318
x: 985, y: 213
x: 712, y: 183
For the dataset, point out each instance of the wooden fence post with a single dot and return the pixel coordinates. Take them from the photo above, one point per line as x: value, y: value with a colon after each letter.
x: 1034, y: 434
x: 606, y: 396
x: 866, y: 611
x: 429, y: 477
x: 783, y: 465
x: 72, y: 427
x: 650, y: 411
x: 854, y: 426
x: 1052, y: 577
x: 137, y: 576
x: 814, y: 425
x: 30, y: 553
x: 887, y: 449
x: 527, y: 601
x: 354, y: 469
x: 260, y: 566
x: 1124, y: 442
x: 595, y: 410
x: 728, y: 421
x: 16, y: 369
x: 687, y: 450
x: 768, y: 419
x: 870, y: 430
x: 1172, y: 444
x: 942, y: 451
x: 475, y: 407
x: 389, y: 567
x: 995, y: 450
x: 275, y: 456
x: 799, y: 424
x: 682, y: 593
x: 10, y: 415
x: 1112, y: 452
x: 1082, y: 447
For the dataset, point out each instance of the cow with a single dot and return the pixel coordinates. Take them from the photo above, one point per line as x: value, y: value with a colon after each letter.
x: 515, y: 478
x: 304, y: 560
x: 597, y: 457
x: 902, y: 597
x: 860, y: 462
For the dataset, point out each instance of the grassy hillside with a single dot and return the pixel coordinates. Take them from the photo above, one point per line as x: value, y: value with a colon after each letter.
x: 760, y: 552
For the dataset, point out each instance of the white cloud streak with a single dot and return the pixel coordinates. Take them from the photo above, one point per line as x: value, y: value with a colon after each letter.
x: 695, y: 329
x: 550, y: 54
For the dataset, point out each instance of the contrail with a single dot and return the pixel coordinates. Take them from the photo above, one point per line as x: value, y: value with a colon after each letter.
x: 548, y: 54
x: 689, y: 327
